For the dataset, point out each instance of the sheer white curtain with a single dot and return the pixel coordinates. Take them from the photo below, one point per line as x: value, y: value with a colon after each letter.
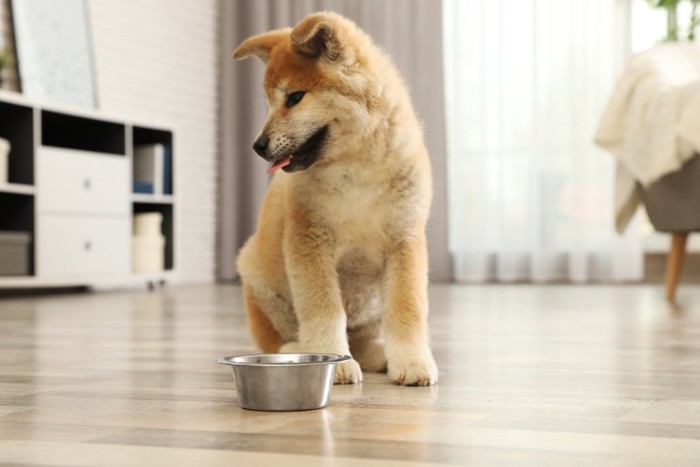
x: 530, y: 196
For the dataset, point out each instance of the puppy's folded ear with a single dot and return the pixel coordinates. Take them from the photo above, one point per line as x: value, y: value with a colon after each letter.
x: 320, y: 33
x: 260, y: 45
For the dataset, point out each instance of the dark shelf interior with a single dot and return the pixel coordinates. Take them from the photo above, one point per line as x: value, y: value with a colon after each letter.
x: 168, y: 229
x: 87, y: 134
x: 16, y: 126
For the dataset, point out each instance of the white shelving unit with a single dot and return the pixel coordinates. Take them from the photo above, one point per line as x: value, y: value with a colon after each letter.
x: 70, y: 187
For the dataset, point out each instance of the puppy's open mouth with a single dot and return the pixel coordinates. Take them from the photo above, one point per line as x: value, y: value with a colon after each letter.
x: 305, y: 155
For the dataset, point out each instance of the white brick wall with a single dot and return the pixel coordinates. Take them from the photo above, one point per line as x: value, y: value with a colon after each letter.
x: 158, y: 61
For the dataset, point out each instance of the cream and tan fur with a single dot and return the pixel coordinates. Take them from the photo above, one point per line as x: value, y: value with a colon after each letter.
x: 339, y: 263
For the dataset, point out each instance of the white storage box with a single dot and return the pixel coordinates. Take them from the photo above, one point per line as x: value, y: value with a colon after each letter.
x: 148, y: 224
x: 148, y: 253
x: 4, y: 160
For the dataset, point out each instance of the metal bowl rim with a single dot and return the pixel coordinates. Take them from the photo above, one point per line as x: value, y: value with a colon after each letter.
x: 335, y: 359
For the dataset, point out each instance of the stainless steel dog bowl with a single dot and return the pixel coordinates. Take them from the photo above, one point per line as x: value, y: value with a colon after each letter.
x: 283, y: 381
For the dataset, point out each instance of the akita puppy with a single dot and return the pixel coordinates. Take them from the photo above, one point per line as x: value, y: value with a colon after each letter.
x: 339, y: 263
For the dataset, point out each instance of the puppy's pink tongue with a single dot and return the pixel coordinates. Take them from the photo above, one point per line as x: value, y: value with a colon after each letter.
x: 280, y: 163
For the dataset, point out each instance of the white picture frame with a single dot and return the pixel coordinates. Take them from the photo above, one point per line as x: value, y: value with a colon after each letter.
x: 54, y: 51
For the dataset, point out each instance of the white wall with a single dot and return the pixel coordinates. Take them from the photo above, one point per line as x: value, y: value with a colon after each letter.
x: 158, y: 61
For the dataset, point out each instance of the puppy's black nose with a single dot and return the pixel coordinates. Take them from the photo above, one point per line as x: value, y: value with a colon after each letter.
x: 260, y: 145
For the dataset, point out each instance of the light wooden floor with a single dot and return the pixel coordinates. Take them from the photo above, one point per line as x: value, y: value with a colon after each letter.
x: 541, y: 376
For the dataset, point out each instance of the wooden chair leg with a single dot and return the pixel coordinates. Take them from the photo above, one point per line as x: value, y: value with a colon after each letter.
x: 675, y: 264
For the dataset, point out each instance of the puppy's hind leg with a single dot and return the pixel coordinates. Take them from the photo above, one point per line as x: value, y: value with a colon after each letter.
x: 367, y: 346
x: 264, y: 334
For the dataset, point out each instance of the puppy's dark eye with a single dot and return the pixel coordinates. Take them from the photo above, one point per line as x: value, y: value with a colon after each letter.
x: 294, y: 98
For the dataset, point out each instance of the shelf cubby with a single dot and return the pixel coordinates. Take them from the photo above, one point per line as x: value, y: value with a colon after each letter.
x: 168, y: 229
x: 143, y: 136
x: 17, y: 126
x: 87, y: 134
x: 17, y: 215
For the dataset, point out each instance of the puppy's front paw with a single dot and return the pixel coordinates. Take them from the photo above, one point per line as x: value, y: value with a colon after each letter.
x: 414, y: 370
x: 348, y: 373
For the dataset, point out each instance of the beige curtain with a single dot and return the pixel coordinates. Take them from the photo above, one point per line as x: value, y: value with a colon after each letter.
x: 409, y: 30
